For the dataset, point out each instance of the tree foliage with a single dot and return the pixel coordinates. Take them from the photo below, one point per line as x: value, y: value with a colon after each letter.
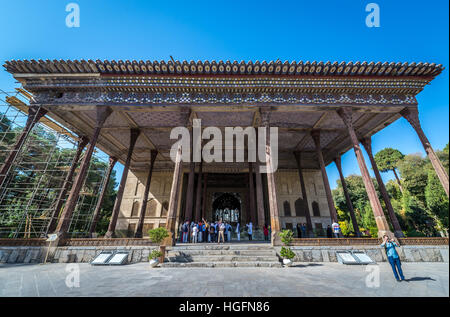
x: 387, y: 159
x: 422, y: 208
x: 35, y: 183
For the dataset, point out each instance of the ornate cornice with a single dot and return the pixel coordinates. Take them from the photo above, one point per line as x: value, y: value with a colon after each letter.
x: 136, y: 98
x: 274, y: 68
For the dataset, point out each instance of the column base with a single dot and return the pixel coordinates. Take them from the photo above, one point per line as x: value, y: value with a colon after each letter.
x: 138, y: 235
x: 170, y: 240
x: 399, y: 234
x: 276, y: 239
x: 389, y: 233
x: 109, y: 235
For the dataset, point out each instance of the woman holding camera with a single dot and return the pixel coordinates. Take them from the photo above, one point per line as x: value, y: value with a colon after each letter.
x: 393, y: 258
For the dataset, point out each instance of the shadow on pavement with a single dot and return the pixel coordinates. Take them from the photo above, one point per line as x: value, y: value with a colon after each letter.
x: 306, y: 265
x: 414, y: 279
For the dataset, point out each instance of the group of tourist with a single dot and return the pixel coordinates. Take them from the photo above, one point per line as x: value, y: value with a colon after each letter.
x: 215, y: 231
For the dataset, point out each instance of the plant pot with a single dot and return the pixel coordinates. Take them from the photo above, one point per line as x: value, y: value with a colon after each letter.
x: 287, y: 262
x: 162, y: 249
x: 154, y: 262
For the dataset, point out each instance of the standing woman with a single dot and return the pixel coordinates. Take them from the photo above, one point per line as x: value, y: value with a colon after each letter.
x: 204, y: 232
x: 211, y: 232
x: 238, y: 231
x: 393, y: 258
x: 200, y: 231
x: 194, y: 234
x: 266, y: 233
x: 221, y: 230
x: 299, y: 230
x: 250, y: 231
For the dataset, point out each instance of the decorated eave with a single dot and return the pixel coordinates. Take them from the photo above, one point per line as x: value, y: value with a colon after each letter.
x: 245, y: 80
x: 390, y: 69
x: 157, y: 96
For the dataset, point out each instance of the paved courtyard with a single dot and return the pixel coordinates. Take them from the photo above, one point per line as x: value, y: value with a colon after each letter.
x: 306, y: 279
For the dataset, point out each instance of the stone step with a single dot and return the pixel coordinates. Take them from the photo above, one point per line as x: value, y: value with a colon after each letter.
x: 223, y: 252
x: 220, y: 264
x: 224, y: 258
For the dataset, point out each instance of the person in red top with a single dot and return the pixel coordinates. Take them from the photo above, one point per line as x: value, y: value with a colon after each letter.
x: 266, y: 233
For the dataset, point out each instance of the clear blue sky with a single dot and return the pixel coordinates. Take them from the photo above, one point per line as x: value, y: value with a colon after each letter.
x: 245, y: 30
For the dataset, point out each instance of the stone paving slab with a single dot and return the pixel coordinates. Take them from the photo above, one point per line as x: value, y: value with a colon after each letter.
x: 206, y: 263
x: 305, y: 279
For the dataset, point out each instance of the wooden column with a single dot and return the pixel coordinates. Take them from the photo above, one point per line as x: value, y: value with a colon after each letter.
x: 190, y: 193
x: 198, y: 192
x: 337, y: 161
x: 383, y: 227
x: 205, y: 181
x: 251, y: 186
x: 82, y: 142
x: 271, y: 184
x: 367, y: 143
x: 140, y: 225
x: 134, y: 134
x: 35, y: 113
x: 273, y: 203
x: 173, y: 200
x: 412, y: 115
x: 259, y: 198
x: 98, y: 207
x: 102, y: 113
x: 316, y: 137
x: 309, y: 227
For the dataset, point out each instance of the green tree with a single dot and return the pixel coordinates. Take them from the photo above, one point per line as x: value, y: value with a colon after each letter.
x: 414, y: 175
x: 387, y: 160
x: 359, y: 199
x: 35, y: 183
x: 437, y: 203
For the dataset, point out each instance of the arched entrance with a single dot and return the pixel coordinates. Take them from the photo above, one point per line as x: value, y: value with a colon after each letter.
x: 227, y: 206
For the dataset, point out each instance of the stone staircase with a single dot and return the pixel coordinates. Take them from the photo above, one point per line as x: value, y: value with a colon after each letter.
x: 222, y: 255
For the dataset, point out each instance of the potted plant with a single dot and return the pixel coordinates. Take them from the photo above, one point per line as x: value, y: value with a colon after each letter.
x: 286, y: 253
x: 157, y: 236
x: 154, y: 258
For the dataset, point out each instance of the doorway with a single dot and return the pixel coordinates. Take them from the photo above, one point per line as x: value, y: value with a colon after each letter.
x: 227, y: 207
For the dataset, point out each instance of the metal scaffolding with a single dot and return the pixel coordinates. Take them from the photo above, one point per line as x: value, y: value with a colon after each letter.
x: 30, y: 192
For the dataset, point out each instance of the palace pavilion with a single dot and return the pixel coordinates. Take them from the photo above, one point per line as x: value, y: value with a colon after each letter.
x: 127, y: 109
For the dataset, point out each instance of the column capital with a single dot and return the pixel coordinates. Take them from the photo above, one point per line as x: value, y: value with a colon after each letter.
x: 35, y: 113
x: 102, y: 113
x: 412, y: 115
x: 153, y: 155
x: 337, y: 160
x: 298, y: 157
x: 346, y: 113
x: 134, y: 134
x: 367, y: 143
x: 83, y: 141
x: 264, y: 116
x: 112, y: 160
x: 315, y: 134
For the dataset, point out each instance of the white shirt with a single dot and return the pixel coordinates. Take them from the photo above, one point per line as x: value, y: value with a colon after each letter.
x: 335, y: 227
